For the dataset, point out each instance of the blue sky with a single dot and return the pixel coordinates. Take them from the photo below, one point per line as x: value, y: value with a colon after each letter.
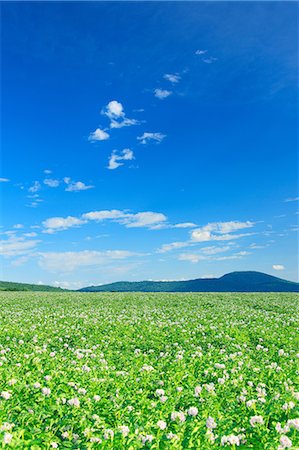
x: 148, y: 141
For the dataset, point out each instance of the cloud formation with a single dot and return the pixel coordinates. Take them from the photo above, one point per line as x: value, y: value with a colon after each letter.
x: 51, y: 182
x: 162, y: 93
x: 146, y: 137
x: 98, y: 135
x: 173, y: 78
x: 278, y: 267
x: 115, y: 159
x: 76, y: 186
x: 219, y: 231
x: 15, y: 246
x: 69, y: 261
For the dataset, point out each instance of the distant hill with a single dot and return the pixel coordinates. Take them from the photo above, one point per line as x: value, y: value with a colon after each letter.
x: 231, y: 282
x: 11, y: 286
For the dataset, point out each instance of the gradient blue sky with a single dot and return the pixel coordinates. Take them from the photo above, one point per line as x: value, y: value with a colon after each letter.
x: 148, y: 140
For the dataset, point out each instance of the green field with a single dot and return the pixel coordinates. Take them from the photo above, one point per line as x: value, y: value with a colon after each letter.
x: 160, y: 371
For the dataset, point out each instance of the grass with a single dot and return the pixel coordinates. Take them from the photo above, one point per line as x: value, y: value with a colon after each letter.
x: 160, y: 371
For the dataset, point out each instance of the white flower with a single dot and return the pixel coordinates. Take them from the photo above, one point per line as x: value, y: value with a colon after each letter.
x: 74, y: 402
x: 285, y: 442
x: 256, y: 419
x: 178, y: 415
x: 163, y: 398
x: 6, y: 395
x: 85, y: 368
x: 54, y: 445
x: 197, y: 391
x: 280, y: 352
x: 124, y: 430
x: 6, y: 426
x: 82, y: 391
x: 7, y: 438
x: 159, y: 392
x: 108, y: 433
x: 294, y: 423
x: 12, y: 382
x: 161, y: 424
x: 210, y: 423
x: 96, y: 398
x: 192, y: 411
x: 46, y: 391
x: 172, y: 436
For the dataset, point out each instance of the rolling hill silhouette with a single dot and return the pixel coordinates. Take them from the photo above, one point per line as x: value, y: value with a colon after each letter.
x: 232, y: 282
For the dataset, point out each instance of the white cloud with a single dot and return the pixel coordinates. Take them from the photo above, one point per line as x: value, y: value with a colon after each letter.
x: 47, y: 171
x: 4, y: 180
x: 219, y: 231
x: 99, y: 216
x: 209, y: 60
x: 115, y: 112
x: 278, y: 267
x: 185, y: 225
x: 173, y: 78
x: 162, y: 93
x: 172, y: 246
x: 144, y: 219
x: 196, y: 257
x: 201, y: 52
x: 18, y: 226
x: 61, y: 223
x: 293, y: 199
x: 123, y: 123
x: 213, y: 250
x: 35, y: 187
x: 51, y: 182
x: 32, y: 234
x: 192, y: 257
x: 147, y: 219
x: 98, y: 135
x: 15, y: 246
x: 70, y: 284
x: 116, y: 158
x: 69, y: 261
x: 75, y: 186
x: 146, y: 137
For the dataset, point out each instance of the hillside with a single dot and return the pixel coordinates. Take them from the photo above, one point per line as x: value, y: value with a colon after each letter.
x: 11, y: 286
x: 232, y: 282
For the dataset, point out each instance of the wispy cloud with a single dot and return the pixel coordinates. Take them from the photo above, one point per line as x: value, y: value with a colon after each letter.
x: 292, y: 199
x: 15, y: 246
x: 201, y: 52
x: 115, y: 159
x: 69, y: 261
x: 146, y: 219
x: 196, y: 257
x: 35, y: 187
x: 98, y: 135
x: 278, y: 267
x: 162, y: 93
x: 115, y: 112
x: 173, y: 78
x: 4, y: 180
x: 146, y: 137
x: 76, y: 186
x: 61, y: 223
x: 51, y: 182
x: 219, y: 231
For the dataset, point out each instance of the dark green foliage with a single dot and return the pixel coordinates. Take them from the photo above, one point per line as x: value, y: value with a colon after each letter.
x: 11, y: 286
